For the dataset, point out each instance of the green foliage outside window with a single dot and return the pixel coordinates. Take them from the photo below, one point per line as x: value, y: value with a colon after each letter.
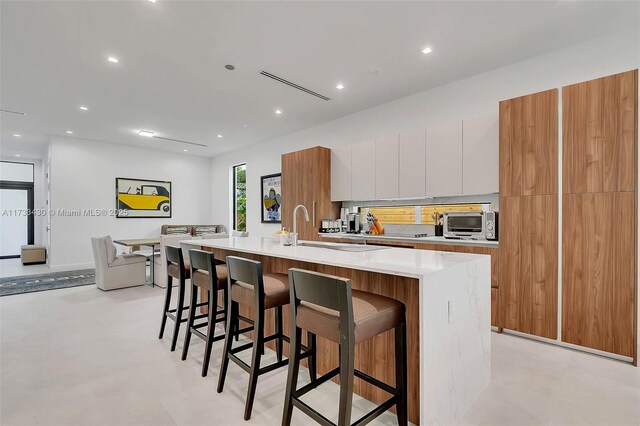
x: 240, y: 197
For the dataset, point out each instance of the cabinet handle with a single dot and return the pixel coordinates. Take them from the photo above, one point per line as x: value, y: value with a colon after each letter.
x: 313, y: 213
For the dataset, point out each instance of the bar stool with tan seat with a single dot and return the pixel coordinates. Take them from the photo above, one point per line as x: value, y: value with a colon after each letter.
x: 210, y: 275
x: 248, y: 286
x: 327, y: 306
x: 179, y: 269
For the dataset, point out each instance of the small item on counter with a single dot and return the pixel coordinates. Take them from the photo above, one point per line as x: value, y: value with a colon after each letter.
x: 374, y: 225
x: 438, y: 219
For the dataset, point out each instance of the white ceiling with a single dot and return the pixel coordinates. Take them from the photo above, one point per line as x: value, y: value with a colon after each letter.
x: 171, y: 77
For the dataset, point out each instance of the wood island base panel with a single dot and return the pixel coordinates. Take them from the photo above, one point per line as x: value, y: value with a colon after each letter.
x: 447, y: 296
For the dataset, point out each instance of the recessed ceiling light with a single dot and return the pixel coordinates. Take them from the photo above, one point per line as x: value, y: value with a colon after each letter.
x: 146, y: 133
x: 185, y: 150
x: 152, y: 1
x: 245, y: 125
x: 340, y: 86
x: 84, y: 108
x: 278, y: 111
x: 112, y: 59
x: 70, y: 132
x: 427, y: 50
x: 17, y: 135
x: 17, y: 155
x: 230, y: 67
x: 219, y: 136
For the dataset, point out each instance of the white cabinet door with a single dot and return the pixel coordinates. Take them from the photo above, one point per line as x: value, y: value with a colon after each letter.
x: 363, y: 170
x: 341, y: 173
x: 480, y: 153
x: 444, y: 158
x: 387, y: 167
x: 412, y: 163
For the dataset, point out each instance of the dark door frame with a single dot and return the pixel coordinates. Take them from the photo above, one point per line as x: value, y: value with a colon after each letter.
x: 27, y: 186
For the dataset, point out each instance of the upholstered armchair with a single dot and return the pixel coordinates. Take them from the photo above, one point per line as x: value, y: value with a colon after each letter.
x: 116, y: 271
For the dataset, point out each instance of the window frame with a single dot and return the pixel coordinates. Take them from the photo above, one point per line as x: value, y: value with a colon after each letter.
x: 234, y: 196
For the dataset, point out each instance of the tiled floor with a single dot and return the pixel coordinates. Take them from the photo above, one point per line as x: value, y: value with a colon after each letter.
x: 14, y: 268
x: 83, y: 356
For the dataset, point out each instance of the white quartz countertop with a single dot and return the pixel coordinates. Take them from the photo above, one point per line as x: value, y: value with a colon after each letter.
x: 386, y: 260
x: 426, y: 240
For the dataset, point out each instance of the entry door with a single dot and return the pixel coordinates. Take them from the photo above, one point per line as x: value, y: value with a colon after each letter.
x: 16, y: 207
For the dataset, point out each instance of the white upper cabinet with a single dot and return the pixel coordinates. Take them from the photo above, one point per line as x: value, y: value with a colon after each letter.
x: 412, y: 163
x: 341, y: 173
x: 444, y: 158
x: 386, y: 169
x: 363, y: 170
x: 480, y: 153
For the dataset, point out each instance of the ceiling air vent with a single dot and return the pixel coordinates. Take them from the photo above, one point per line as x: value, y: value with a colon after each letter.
x: 295, y: 86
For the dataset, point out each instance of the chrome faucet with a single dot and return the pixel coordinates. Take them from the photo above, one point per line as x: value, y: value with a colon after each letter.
x: 294, y: 234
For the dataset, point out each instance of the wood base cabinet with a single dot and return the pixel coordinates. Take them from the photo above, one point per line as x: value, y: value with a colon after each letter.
x: 529, y: 264
x: 598, y: 271
x: 306, y: 180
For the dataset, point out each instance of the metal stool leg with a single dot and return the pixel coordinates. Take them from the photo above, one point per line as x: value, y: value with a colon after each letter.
x: 179, y: 310
x: 279, y: 333
x: 401, y: 372
x: 292, y: 376
x: 258, y: 349
x: 190, y: 321
x: 167, y: 303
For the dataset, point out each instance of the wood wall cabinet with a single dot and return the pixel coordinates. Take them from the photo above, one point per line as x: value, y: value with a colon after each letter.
x: 363, y: 170
x: 444, y: 158
x: 412, y: 164
x: 599, y: 121
x: 529, y: 144
x: 386, y: 170
x: 341, y: 173
x: 529, y: 214
x: 599, y: 233
x: 480, y: 135
x: 598, y: 271
x: 306, y: 179
x: 529, y: 264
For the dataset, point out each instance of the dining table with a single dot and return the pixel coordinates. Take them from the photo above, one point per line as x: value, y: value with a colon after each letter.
x: 136, y: 243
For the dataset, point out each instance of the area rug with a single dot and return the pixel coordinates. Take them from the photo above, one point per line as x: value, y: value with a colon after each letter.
x: 40, y: 282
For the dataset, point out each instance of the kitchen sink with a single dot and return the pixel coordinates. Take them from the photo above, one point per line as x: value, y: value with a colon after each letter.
x: 344, y: 247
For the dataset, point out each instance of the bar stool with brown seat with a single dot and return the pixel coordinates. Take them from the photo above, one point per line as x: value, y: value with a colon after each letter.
x: 325, y: 305
x: 248, y: 286
x: 176, y: 268
x: 210, y: 275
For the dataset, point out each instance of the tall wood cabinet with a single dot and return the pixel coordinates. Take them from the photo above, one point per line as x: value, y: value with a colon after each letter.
x: 306, y: 179
x: 529, y: 214
x: 599, y: 232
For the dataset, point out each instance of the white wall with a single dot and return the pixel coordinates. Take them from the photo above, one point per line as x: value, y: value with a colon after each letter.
x: 582, y: 62
x: 83, y: 177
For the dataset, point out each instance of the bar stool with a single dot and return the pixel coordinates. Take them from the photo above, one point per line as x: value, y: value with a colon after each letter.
x: 176, y: 268
x: 248, y: 286
x: 325, y: 305
x: 210, y: 275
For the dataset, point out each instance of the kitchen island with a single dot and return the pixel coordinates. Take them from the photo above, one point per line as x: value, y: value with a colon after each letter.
x: 447, y: 296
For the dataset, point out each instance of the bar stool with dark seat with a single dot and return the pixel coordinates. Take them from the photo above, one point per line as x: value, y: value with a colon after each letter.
x: 176, y: 268
x: 208, y: 274
x: 325, y: 305
x: 249, y: 287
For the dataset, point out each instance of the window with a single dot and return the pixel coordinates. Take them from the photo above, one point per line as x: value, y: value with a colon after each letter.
x: 240, y: 197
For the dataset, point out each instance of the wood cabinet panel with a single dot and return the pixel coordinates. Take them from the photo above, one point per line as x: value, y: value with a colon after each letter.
x: 386, y: 170
x: 363, y: 170
x: 341, y: 173
x: 599, y: 134
x: 444, y: 158
x: 529, y: 264
x: 529, y: 144
x: 306, y: 179
x: 599, y: 271
x: 412, y: 164
x: 480, y: 167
